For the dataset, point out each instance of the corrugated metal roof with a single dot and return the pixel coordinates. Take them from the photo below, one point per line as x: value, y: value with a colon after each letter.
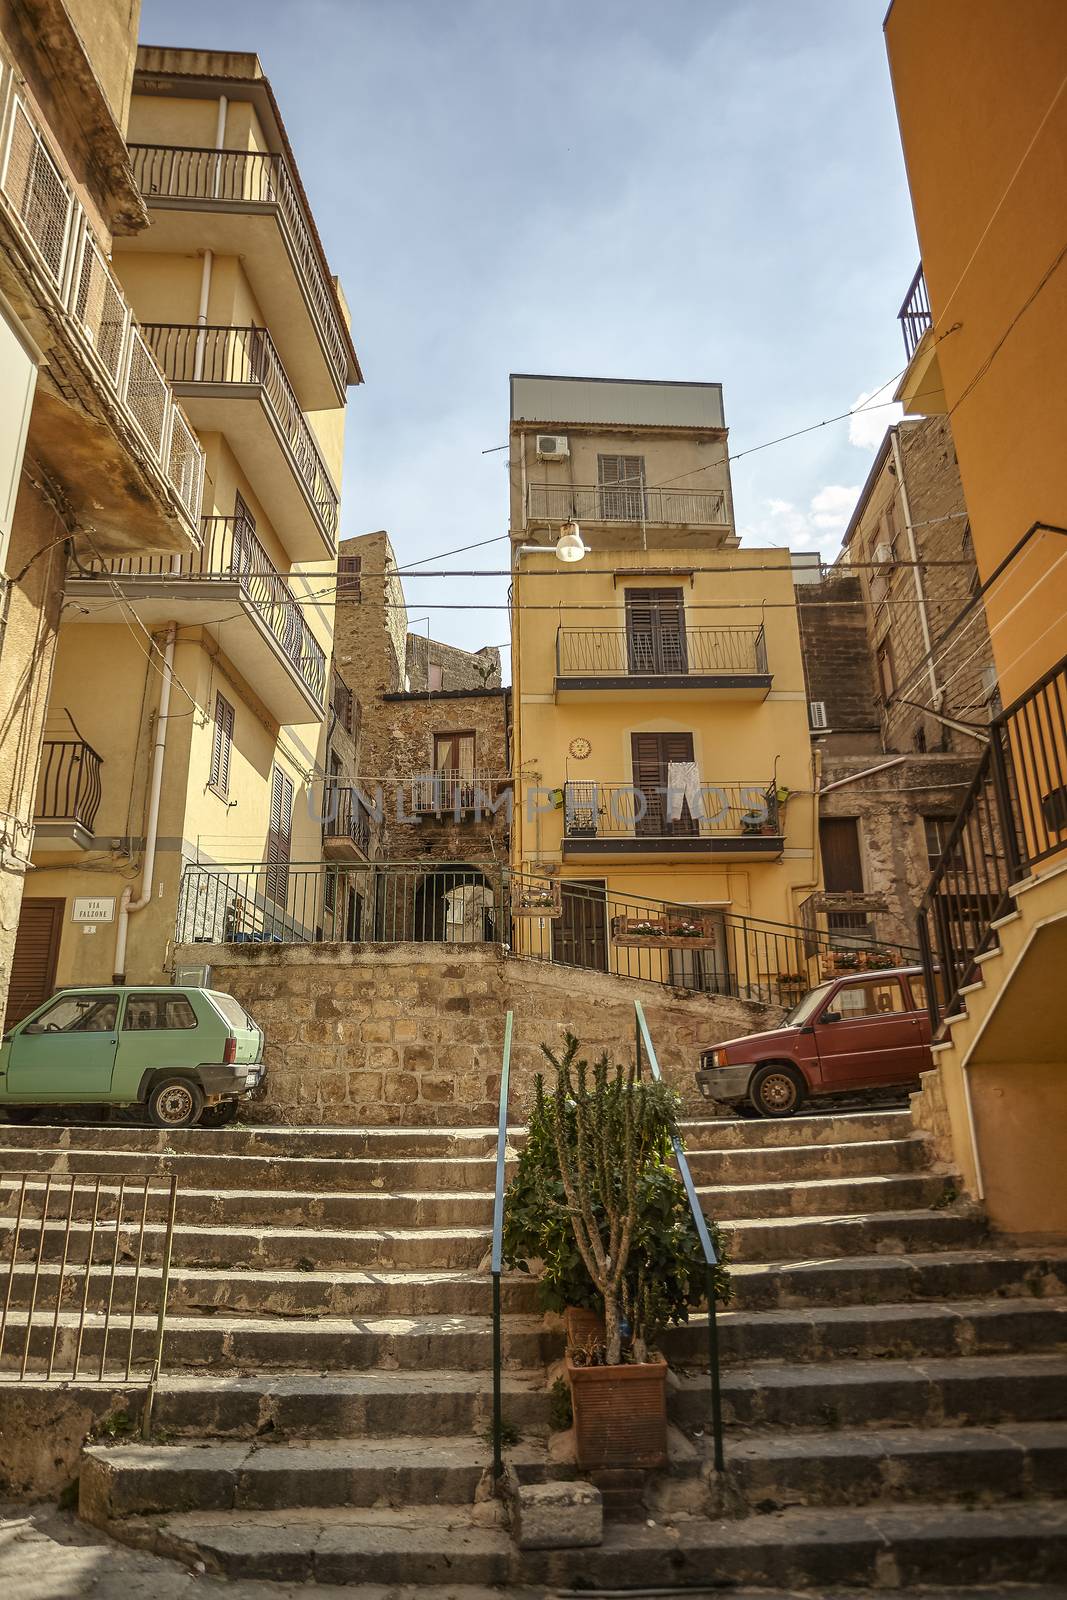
x: 615, y: 402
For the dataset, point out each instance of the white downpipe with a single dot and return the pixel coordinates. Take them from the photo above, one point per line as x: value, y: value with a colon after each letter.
x: 916, y: 573
x: 854, y: 777
x: 201, y: 315
x: 127, y: 904
x: 220, y: 140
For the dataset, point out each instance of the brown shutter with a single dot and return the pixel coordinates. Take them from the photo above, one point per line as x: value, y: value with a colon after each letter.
x: 348, y: 578
x: 279, y: 836
x: 33, y: 961
x: 655, y: 630
x: 621, y: 480
x: 839, y: 841
x: 221, y: 742
x: 651, y: 755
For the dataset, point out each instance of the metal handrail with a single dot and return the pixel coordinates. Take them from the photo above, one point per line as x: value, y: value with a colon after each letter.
x: 711, y: 1259
x: 68, y: 783
x: 626, y: 502
x: 636, y: 653
x: 496, y: 1258
x: 915, y: 315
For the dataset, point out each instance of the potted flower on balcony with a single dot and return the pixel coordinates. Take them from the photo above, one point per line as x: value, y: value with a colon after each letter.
x: 596, y: 1201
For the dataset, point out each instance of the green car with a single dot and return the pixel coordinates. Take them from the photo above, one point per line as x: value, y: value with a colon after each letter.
x: 186, y: 1055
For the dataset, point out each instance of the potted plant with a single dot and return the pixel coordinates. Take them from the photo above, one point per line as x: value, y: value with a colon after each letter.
x: 596, y: 1201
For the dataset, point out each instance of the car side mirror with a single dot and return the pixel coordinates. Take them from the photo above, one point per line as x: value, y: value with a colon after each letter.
x: 830, y: 1016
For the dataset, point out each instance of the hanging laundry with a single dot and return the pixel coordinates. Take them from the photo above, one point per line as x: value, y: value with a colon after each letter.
x: 683, y: 783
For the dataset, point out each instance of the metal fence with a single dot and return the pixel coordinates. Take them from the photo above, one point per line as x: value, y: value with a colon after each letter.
x: 68, y: 783
x: 679, y: 946
x: 76, y: 1300
x: 192, y: 354
x: 676, y: 508
x: 618, y: 811
x: 915, y: 315
x: 633, y: 652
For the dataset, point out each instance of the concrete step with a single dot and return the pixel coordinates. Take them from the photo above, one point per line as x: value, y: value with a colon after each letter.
x: 884, y: 1232
x: 901, y: 1279
x: 905, y: 1546
x: 978, y: 1465
x: 796, y: 1163
x: 738, y: 1202
x: 934, y: 1392
x: 141, y: 1479
x: 738, y: 1133
x: 309, y: 1143
x: 339, y: 1343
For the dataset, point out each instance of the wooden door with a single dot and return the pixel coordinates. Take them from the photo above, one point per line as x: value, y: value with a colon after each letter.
x: 580, y: 935
x: 651, y: 756
x: 33, y: 964
x: 842, y: 864
x: 655, y: 631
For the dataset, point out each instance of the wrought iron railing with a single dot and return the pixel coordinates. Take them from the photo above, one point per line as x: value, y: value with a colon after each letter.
x: 497, y: 1249
x: 191, y: 355
x: 68, y: 783
x: 645, y: 1050
x: 624, y: 811
x: 244, y: 178
x: 39, y: 201
x: 1013, y: 818
x: 230, y: 552
x: 346, y: 816
x: 631, y: 652
x: 74, y: 1277
x: 675, y: 508
x: 449, y: 792
x: 627, y: 936
x: 915, y: 315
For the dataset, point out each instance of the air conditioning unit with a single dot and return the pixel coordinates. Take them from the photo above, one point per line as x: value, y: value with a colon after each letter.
x: 883, y: 552
x: 817, y: 714
x: 553, y: 447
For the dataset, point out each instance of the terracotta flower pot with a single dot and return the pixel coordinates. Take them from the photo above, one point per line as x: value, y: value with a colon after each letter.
x: 620, y: 1414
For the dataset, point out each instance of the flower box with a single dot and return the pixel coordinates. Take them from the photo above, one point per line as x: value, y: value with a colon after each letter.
x: 675, y: 931
x: 536, y: 897
x: 837, y: 962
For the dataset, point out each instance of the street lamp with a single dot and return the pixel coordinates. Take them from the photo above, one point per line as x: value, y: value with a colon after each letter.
x: 569, y: 546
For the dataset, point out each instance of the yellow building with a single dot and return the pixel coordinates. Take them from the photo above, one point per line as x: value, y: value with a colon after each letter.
x: 983, y: 116
x: 661, y: 748
x: 93, y: 443
x: 186, y: 714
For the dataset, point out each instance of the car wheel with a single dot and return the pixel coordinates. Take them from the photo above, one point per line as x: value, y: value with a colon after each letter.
x: 219, y: 1116
x: 777, y: 1090
x: 174, y: 1103
x: 20, y: 1114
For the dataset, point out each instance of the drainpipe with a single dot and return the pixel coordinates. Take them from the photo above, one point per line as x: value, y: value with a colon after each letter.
x: 201, y: 315
x: 127, y: 904
x: 854, y: 777
x: 916, y: 574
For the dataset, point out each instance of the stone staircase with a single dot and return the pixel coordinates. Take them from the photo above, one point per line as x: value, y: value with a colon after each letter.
x: 895, y: 1381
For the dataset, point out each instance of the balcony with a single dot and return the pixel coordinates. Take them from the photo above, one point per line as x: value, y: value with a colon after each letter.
x: 630, y: 504
x: 634, y: 665
x: 740, y: 822
x: 461, y: 796
x: 60, y: 282
x: 230, y: 587
x: 346, y: 830
x: 246, y: 204
x: 234, y: 383
x: 920, y: 390
x: 68, y: 796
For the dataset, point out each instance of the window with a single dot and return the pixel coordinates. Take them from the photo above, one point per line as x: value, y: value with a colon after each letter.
x: 78, y: 1013
x: 886, y: 675
x: 348, y: 578
x: 279, y: 837
x: 621, y: 481
x: 454, y: 752
x: 874, y: 999
x: 221, y: 745
x: 342, y: 703
x: 936, y: 831
x: 917, y: 984
x: 652, y: 756
x: 155, y: 1012
x: 655, y: 631
x: 435, y: 676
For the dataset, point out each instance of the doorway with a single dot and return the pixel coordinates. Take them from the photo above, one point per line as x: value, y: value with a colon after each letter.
x: 580, y: 935
x: 35, y: 957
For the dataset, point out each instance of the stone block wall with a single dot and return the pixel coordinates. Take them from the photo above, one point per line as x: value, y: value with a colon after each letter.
x: 412, y: 1034
x: 839, y: 661
x: 405, y: 728
x: 460, y: 669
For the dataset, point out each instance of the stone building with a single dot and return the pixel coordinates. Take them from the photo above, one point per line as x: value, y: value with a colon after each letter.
x: 433, y: 757
x: 897, y: 716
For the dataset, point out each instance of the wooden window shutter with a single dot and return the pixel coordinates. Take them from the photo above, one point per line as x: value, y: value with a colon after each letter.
x: 279, y: 836
x: 655, y: 631
x: 651, y: 755
x: 221, y: 744
x: 348, y: 578
x: 621, y: 481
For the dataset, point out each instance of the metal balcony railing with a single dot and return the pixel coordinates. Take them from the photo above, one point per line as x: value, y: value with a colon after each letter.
x: 68, y: 783
x: 346, y: 816
x: 449, y: 792
x: 915, y: 315
x: 248, y: 178
x: 1013, y: 817
x: 674, y: 508
x: 632, y: 652
x: 230, y: 553
x: 621, y: 811
x: 39, y: 202
x: 195, y: 355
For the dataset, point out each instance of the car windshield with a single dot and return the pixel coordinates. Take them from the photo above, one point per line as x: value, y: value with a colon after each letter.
x: 235, y: 1014
x: 809, y: 1004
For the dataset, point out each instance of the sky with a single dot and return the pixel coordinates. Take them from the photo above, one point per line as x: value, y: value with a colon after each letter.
x: 710, y: 190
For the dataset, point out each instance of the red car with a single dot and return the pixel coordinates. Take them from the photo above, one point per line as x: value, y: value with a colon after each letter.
x: 865, y: 1030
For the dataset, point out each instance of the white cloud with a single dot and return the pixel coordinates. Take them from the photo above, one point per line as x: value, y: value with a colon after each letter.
x: 871, y: 414
x: 817, y: 527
